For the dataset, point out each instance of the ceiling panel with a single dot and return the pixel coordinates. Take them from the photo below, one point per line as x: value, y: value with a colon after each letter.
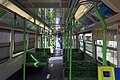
x: 33, y: 6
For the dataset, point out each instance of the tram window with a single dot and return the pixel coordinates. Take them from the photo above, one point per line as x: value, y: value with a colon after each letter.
x: 111, y: 54
x: 88, y: 37
x: 99, y: 51
x: 86, y: 20
x: 39, y: 41
x: 88, y: 47
x: 81, y: 41
x: 30, y: 25
x: 2, y: 12
x: 93, y: 14
x: 4, y: 44
x: 19, y: 22
x: 112, y: 44
x: 88, y: 43
x: 104, y: 10
x: 6, y: 17
x: 99, y: 42
x: 81, y: 45
x: 31, y: 41
x: 18, y: 41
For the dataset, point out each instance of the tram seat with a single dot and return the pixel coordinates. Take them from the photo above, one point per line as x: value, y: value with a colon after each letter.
x: 47, y: 51
x: 83, y: 70
x: 77, y: 56
x: 36, y: 59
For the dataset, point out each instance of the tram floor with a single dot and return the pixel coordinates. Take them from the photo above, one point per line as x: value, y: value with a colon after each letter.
x: 53, y: 71
x: 32, y: 73
x: 36, y: 73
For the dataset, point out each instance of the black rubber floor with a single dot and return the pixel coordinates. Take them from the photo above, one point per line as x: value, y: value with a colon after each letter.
x: 36, y: 73
x: 32, y: 73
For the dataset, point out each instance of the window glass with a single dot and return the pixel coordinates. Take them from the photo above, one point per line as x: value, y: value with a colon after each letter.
x: 18, y: 41
x: 81, y: 45
x: 99, y: 51
x: 86, y: 21
x: 39, y: 41
x: 4, y: 44
x: 31, y: 42
x: 19, y: 22
x: 99, y: 42
x: 81, y: 41
x: 88, y: 47
x: 88, y: 43
x: 112, y: 44
x: 104, y: 10
x: 88, y: 37
x: 6, y: 17
x: 111, y: 54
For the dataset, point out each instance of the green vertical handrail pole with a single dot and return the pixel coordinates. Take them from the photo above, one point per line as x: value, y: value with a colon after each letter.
x: 104, y: 32
x: 70, y: 62
x: 44, y: 31
x: 65, y: 41
x: 24, y: 55
x: 41, y: 41
x: 54, y: 40
x: 68, y: 46
x: 48, y: 37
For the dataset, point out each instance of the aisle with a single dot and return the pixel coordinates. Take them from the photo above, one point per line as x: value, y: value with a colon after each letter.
x: 56, y: 68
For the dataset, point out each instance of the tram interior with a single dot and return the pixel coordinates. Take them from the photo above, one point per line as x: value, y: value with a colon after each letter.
x: 59, y: 40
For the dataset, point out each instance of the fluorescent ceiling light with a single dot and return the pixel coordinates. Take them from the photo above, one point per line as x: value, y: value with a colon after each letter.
x: 37, y: 22
x: 41, y: 25
x: 81, y: 10
x: 3, y: 1
x: 14, y: 8
x: 31, y: 19
x: 82, y: 0
x: 46, y: 28
x: 50, y: 31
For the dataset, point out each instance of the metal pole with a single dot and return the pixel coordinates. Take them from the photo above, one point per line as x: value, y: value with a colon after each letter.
x: 104, y: 32
x: 68, y: 47
x: 24, y: 55
x: 65, y: 41
x: 70, y: 62
x: 41, y: 41
x: 44, y: 31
